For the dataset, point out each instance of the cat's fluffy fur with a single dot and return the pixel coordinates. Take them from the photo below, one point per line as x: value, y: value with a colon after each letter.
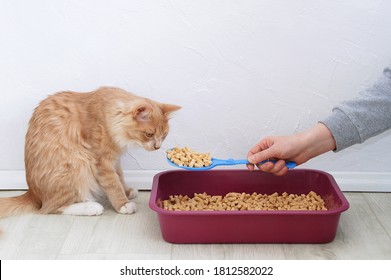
x: 73, y: 148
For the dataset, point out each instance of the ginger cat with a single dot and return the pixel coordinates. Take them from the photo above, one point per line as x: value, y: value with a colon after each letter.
x: 73, y: 148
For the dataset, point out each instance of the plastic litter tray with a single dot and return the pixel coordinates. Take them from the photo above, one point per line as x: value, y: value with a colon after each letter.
x: 255, y: 226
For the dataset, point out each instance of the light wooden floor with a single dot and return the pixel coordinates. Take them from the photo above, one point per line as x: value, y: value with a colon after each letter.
x: 364, y: 233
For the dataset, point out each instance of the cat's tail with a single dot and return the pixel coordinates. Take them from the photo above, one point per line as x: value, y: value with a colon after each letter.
x: 25, y: 203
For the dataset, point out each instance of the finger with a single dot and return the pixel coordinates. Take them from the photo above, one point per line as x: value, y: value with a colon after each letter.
x: 249, y: 154
x: 253, y: 155
x: 278, y: 167
x: 264, y: 144
x: 256, y: 149
x: 250, y: 167
x: 266, y: 167
x: 261, y: 156
x: 282, y: 171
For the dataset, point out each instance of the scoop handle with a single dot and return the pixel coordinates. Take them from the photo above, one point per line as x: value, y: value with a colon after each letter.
x: 289, y: 164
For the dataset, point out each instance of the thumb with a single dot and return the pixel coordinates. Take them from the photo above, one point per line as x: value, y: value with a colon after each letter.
x: 261, y: 156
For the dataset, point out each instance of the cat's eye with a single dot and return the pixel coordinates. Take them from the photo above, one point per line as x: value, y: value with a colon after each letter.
x: 149, y: 134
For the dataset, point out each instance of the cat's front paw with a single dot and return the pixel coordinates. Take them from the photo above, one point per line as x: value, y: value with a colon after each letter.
x: 128, y: 208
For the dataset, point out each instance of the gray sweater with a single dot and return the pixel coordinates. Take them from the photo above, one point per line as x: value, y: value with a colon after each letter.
x: 354, y: 121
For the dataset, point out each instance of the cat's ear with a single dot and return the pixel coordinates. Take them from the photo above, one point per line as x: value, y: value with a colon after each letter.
x: 142, y: 113
x: 167, y: 109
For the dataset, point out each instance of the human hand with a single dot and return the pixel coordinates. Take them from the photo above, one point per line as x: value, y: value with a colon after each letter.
x: 296, y: 147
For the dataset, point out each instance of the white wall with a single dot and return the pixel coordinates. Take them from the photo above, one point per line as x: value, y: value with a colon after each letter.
x: 240, y: 69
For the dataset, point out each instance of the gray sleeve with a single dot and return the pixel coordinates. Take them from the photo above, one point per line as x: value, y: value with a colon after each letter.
x: 354, y: 121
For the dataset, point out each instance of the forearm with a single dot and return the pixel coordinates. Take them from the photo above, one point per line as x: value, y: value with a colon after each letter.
x: 316, y: 141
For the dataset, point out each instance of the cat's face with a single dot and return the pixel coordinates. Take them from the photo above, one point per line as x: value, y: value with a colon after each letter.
x: 145, y: 125
x: 151, y: 129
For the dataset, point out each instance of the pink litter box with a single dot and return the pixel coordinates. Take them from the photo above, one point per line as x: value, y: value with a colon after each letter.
x: 249, y: 226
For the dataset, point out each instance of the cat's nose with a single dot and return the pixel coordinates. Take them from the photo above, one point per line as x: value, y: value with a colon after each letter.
x: 157, y: 147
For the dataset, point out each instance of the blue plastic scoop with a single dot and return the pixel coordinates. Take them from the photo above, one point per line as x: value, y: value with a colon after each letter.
x: 217, y: 162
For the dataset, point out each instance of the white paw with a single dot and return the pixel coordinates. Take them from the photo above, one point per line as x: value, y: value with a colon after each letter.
x: 128, y: 208
x: 89, y: 208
